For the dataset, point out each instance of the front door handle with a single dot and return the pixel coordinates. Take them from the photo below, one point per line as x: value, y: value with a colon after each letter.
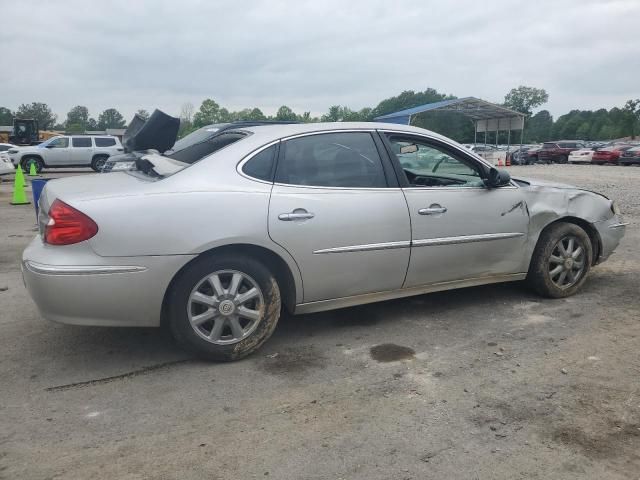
x: 434, y: 209
x: 297, y: 214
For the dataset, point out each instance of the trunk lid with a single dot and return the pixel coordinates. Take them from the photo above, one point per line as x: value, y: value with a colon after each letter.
x: 74, y: 189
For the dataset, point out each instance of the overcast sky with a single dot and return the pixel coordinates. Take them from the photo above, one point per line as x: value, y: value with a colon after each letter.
x: 312, y: 54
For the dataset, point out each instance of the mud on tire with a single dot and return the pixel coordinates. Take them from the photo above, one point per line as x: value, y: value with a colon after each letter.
x: 551, y: 260
x: 180, y: 302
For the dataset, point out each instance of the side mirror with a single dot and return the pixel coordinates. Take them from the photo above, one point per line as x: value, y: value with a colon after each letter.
x: 497, y: 178
x: 49, y: 146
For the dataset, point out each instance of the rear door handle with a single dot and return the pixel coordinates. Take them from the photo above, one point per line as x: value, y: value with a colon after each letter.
x: 434, y: 209
x: 297, y: 214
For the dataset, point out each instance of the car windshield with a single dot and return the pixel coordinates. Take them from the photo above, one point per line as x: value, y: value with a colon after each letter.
x: 46, y: 142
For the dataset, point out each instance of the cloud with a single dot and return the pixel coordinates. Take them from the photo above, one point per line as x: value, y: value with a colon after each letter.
x: 310, y: 55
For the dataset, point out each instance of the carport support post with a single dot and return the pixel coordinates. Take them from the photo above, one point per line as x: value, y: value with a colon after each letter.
x: 475, y: 132
x: 522, y: 133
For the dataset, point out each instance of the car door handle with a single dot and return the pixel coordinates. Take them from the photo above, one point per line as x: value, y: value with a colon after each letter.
x: 297, y: 214
x: 434, y: 209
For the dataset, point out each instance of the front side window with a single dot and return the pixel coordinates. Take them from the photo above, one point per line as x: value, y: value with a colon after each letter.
x: 427, y: 165
x: 81, y: 142
x: 343, y: 159
x: 61, y: 142
x: 4, y: 148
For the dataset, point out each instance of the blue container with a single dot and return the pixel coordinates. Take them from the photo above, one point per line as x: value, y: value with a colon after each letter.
x: 37, y: 184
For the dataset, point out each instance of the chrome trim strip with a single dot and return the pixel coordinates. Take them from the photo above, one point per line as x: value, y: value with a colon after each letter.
x: 43, y: 269
x: 419, y: 243
x: 365, y: 248
x: 427, y: 242
x: 619, y: 225
x: 322, y: 305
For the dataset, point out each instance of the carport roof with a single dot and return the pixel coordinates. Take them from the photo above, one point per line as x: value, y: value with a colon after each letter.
x: 471, y: 107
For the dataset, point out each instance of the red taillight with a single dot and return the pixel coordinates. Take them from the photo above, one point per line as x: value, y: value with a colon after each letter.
x: 67, y: 225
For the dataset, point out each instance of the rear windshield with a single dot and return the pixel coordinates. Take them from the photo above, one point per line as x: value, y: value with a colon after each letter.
x: 199, y: 150
x: 198, y: 136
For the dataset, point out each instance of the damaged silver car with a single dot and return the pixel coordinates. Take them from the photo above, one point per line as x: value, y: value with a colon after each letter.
x: 302, y: 217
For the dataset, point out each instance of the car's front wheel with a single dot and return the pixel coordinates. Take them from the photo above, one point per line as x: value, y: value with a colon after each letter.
x: 28, y: 161
x: 224, y: 307
x: 561, y: 261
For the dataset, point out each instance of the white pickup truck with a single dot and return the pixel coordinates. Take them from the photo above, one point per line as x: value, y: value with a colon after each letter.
x: 67, y: 151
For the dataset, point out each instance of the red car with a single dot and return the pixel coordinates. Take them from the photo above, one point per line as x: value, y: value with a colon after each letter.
x: 609, y: 154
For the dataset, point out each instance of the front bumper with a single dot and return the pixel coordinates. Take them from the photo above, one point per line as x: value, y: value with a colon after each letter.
x: 611, y: 232
x: 73, y: 285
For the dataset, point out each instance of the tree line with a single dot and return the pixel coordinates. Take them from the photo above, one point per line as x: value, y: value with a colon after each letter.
x: 600, y: 124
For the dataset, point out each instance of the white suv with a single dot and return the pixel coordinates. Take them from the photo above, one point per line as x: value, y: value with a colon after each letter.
x: 68, y: 151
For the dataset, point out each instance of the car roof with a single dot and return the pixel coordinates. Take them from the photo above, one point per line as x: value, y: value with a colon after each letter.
x: 291, y: 129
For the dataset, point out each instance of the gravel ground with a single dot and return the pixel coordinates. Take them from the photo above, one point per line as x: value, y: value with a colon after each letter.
x: 482, y: 383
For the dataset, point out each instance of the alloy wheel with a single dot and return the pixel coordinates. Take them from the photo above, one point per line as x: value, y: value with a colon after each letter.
x: 567, y: 262
x: 225, y: 307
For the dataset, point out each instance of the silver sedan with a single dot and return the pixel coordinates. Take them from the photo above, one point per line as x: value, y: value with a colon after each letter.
x: 303, y: 217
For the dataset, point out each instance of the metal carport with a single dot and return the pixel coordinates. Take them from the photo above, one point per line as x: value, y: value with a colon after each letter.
x: 486, y: 116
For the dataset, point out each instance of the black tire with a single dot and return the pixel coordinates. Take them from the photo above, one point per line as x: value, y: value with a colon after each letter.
x: 540, y: 276
x: 98, y: 162
x: 26, y: 162
x: 563, y: 159
x: 179, y: 304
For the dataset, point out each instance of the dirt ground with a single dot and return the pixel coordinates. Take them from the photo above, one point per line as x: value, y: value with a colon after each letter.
x: 481, y: 383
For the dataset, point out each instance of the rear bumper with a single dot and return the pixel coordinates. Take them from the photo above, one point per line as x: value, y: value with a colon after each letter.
x: 79, y: 287
x: 611, y: 232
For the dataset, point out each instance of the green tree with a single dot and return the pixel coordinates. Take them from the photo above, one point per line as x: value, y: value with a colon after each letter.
x: 286, y: 114
x: 6, y: 116
x: 525, y: 99
x: 92, y: 124
x: 208, y: 114
x: 111, y: 118
x: 77, y: 117
x: 631, y: 111
x: 539, y: 126
x: 37, y: 111
x: 143, y: 113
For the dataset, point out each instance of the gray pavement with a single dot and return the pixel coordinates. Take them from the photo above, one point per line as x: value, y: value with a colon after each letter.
x: 481, y: 383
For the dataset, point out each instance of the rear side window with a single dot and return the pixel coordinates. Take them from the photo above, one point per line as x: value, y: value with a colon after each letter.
x: 105, y: 142
x: 549, y: 145
x: 346, y: 160
x: 260, y: 166
x: 81, y: 141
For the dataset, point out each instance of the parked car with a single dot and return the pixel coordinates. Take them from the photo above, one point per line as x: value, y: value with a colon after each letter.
x: 630, y: 156
x: 67, y: 151
x: 493, y: 155
x: 520, y: 156
x: 583, y: 155
x: 305, y: 217
x: 6, y: 167
x: 532, y: 154
x: 608, y: 155
x: 558, y: 152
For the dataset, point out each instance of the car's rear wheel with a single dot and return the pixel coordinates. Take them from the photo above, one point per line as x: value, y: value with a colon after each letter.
x: 224, y: 308
x: 98, y: 162
x: 28, y: 161
x: 561, y: 261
